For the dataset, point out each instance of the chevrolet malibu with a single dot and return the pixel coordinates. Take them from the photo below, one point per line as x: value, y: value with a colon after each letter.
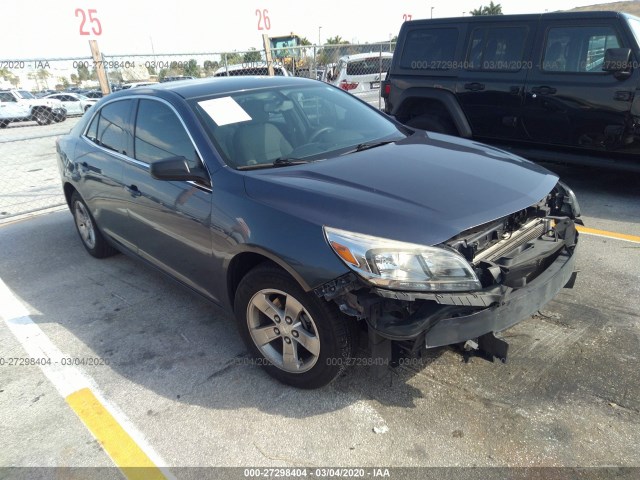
x: 314, y: 218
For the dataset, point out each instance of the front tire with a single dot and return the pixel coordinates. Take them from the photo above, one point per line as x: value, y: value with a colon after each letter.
x: 300, y: 339
x: 43, y: 116
x: 92, y: 239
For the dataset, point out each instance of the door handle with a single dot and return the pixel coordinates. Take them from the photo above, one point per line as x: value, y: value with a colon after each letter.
x: 514, y: 90
x: 474, y: 87
x: 133, y: 190
x: 544, y: 90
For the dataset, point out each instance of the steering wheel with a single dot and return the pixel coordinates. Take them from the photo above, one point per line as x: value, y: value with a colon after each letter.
x: 317, y: 134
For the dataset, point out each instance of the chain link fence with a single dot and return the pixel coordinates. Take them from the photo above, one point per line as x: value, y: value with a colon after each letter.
x: 43, y: 98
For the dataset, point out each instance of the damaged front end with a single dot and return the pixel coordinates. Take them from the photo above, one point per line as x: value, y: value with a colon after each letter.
x: 508, y: 269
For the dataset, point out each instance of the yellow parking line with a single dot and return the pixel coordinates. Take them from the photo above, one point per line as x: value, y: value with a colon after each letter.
x: 604, y: 233
x: 123, y: 450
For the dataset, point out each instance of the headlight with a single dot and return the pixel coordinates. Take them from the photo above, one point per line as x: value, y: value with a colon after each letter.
x: 402, y: 266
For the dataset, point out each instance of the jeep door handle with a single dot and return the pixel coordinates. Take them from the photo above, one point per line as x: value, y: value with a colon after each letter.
x: 474, y: 87
x: 544, y: 90
x: 133, y: 190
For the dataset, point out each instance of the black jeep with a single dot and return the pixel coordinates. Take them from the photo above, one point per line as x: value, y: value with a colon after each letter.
x: 555, y: 87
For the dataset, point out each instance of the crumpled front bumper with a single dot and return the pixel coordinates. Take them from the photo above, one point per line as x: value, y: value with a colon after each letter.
x: 509, y: 309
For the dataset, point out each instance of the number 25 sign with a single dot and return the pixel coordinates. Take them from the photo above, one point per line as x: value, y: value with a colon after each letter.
x: 93, y: 22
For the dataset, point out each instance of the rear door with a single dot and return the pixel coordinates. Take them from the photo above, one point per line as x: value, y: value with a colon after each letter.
x: 169, y: 221
x: 569, y: 100
x: 491, y: 83
x: 99, y: 159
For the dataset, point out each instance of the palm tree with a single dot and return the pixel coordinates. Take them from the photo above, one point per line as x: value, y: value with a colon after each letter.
x: 491, y: 9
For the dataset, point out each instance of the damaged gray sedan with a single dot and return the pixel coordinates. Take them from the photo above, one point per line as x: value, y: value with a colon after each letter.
x: 314, y: 218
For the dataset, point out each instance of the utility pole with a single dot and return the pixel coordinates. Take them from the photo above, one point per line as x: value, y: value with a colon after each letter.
x: 105, y: 87
x: 432, y: 11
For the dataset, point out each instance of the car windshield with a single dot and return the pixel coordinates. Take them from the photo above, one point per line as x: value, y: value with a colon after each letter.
x: 24, y: 94
x: 82, y: 97
x: 634, y: 23
x: 283, y: 125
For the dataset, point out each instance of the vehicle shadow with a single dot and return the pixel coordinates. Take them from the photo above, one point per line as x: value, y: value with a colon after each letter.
x: 155, y: 334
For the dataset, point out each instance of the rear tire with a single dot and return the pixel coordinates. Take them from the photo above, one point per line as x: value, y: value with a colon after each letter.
x: 299, y: 339
x: 91, y: 237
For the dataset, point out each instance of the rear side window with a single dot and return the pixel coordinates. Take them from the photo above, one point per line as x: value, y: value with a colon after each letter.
x: 578, y: 49
x: 159, y: 134
x: 108, y: 128
x: 497, y: 49
x: 368, y: 66
x: 429, y: 49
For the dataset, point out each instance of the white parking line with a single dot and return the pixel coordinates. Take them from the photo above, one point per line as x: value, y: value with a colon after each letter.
x: 120, y: 439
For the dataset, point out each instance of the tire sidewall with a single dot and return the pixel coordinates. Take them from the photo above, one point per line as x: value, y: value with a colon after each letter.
x: 335, y: 343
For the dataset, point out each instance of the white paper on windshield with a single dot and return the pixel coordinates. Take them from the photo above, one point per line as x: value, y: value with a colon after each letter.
x: 224, y: 111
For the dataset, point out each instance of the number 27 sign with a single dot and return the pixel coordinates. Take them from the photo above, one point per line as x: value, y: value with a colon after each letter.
x: 88, y: 19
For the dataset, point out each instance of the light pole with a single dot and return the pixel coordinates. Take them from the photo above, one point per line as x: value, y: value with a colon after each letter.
x: 432, y: 11
x: 319, y: 28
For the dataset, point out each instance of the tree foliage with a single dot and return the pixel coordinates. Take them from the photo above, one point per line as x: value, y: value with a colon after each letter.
x: 491, y: 9
x: 252, y: 56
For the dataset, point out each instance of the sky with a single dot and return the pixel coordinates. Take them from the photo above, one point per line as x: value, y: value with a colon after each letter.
x: 39, y: 29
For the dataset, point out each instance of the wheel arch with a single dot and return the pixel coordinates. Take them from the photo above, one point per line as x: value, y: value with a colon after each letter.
x: 68, y: 191
x: 415, y: 102
x: 244, y: 262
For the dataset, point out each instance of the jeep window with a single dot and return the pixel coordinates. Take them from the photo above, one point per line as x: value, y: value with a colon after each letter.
x: 368, y: 66
x: 7, y: 97
x: 497, y: 49
x: 578, y: 49
x: 429, y: 49
x: 159, y: 135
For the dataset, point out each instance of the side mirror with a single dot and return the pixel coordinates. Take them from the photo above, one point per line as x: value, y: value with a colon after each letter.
x: 617, y: 61
x: 177, y: 169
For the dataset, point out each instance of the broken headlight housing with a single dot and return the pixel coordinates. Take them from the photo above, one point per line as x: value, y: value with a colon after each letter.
x: 402, y: 266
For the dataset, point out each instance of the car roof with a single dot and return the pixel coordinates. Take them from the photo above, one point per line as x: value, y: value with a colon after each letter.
x: 360, y: 56
x: 216, y: 85
x: 523, y: 17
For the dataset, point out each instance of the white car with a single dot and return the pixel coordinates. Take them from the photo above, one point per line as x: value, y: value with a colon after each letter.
x: 251, y: 68
x: 138, y: 84
x: 360, y: 74
x: 21, y: 106
x: 74, y: 103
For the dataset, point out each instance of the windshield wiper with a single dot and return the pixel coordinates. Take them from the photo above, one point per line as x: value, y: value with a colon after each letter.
x: 285, y: 162
x: 366, y: 146
x: 278, y: 162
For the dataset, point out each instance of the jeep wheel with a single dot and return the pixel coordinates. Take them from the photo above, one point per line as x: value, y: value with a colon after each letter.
x: 298, y: 338
x: 43, y: 116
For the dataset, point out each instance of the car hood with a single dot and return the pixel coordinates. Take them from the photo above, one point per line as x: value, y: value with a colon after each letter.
x: 424, y: 189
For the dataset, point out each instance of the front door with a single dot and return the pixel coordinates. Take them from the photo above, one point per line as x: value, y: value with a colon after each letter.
x: 169, y: 221
x: 569, y: 100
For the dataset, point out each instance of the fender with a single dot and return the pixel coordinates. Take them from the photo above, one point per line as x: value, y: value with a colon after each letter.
x: 445, y: 97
